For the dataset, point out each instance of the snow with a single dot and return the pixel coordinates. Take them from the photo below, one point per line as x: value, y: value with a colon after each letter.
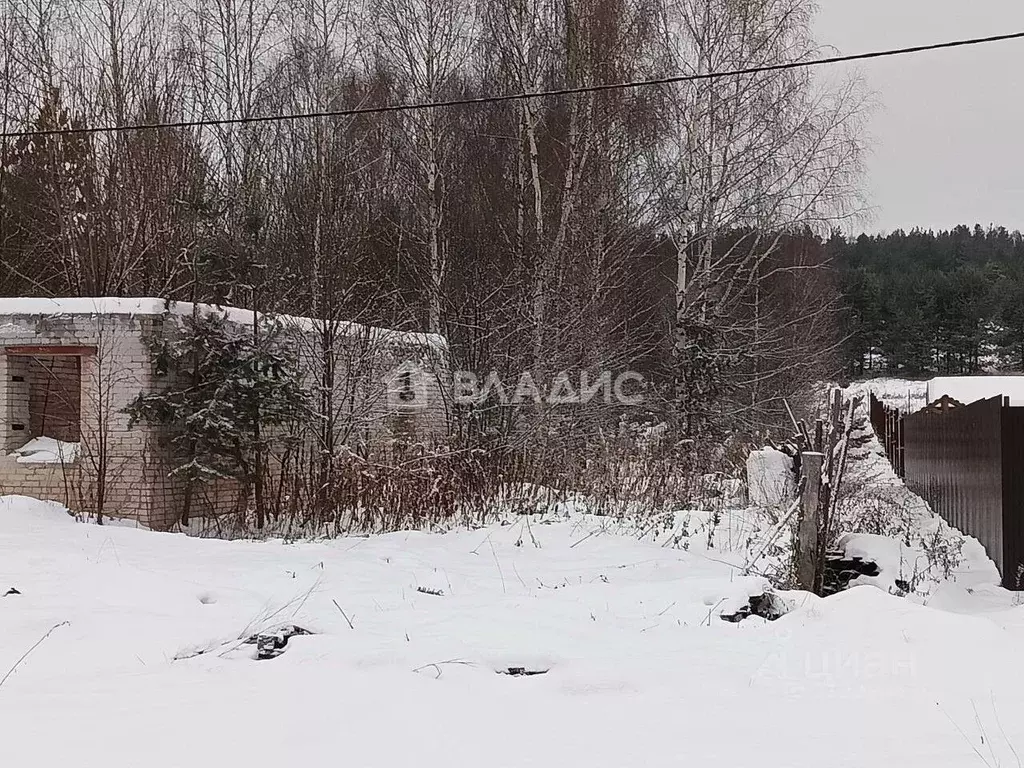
x: 970, y: 389
x: 906, y: 394
x: 47, y: 450
x: 82, y: 306
x: 22, y: 514
x: 911, y: 563
x: 883, y: 521
x: 641, y: 672
x: 770, y: 478
x: 153, y: 306
x: 145, y: 662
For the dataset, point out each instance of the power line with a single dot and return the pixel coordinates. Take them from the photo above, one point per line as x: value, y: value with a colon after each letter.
x: 521, y: 96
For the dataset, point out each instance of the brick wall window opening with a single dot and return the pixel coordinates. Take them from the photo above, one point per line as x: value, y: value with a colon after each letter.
x: 46, y: 396
x: 406, y: 392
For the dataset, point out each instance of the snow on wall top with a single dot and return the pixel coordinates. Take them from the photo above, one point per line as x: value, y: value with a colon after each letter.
x: 970, y: 389
x: 159, y: 307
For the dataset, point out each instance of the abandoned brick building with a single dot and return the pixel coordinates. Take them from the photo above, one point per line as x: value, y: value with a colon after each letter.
x: 70, y: 367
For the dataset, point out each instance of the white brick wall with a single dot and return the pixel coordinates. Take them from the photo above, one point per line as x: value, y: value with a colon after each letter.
x: 109, y: 470
x: 125, y: 469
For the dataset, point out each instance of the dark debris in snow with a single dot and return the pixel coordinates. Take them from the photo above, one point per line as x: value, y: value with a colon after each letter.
x: 271, y: 644
x: 521, y: 672
x: 841, y: 570
x: 768, y: 606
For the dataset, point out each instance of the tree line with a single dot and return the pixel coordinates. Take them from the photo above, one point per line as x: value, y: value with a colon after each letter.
x: 677, y: 230
x: 924, y: 302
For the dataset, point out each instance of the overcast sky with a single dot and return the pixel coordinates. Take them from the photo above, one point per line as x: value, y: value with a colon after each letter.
x: 948, y: 135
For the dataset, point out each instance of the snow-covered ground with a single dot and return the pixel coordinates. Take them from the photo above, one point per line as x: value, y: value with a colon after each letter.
x: 882, y: 520
x: 145, y: 666
x: 906, y: 394
x: 124, y: 647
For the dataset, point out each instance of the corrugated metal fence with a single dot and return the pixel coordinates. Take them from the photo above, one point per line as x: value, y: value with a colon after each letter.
x: 967, y: 461
x: 1013, y: 497
x: 888, y: 426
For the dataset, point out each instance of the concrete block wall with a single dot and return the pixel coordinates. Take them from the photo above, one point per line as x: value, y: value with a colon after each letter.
x: 123, y: 469
x: 369, y: 376
x: 110, y: 475
x: 113, y: 452
x: 14, y: 402
x: 365, y: 363
x: 52, y: 482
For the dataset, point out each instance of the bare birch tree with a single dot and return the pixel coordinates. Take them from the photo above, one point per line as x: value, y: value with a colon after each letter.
x: 537, y: 234
x: 425, y: 45
x: 761, y: 155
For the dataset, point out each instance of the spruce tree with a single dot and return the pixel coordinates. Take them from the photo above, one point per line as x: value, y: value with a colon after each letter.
x: 231, y: 392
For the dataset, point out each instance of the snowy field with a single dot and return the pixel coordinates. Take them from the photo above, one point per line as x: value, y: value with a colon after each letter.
x: 146, y: 667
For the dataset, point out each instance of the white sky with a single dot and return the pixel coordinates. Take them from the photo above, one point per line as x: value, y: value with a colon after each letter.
x: 948, y: 135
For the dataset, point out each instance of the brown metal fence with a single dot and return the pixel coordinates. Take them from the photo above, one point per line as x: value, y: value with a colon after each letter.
x: 888, y: 425
x: 1013, y: 497
x: 954, y: 461
x: 967, y: 462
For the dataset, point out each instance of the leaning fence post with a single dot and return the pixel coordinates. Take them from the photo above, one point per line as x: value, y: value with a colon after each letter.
x: 807, y: 528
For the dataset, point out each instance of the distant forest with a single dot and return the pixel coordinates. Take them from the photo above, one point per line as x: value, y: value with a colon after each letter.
x: 932, y: 302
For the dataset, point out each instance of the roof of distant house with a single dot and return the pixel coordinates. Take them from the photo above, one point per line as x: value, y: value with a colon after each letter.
x: 970, y: 389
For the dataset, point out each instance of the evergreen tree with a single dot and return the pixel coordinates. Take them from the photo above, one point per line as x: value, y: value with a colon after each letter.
x: 231, y: 393
x: 925, y: 303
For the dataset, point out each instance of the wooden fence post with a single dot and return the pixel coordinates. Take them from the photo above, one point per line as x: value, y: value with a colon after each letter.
x: 807, y: 528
